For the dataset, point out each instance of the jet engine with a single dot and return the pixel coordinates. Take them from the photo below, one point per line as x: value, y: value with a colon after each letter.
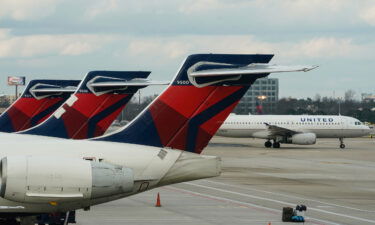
x: 303, y: 139
x: 37, y: 179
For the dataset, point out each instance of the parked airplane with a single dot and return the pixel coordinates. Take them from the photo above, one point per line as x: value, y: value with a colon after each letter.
x: 99, y: 99
x: 42, y: 175
x: 38, y: 101
x: 292, y: 129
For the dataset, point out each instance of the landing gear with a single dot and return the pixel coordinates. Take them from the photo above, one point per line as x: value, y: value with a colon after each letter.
x: 342, y: 145
x: 276, y: 144
x: 268, y: 144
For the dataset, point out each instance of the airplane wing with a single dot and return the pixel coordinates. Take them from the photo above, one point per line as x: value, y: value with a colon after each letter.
x: 280, y: 131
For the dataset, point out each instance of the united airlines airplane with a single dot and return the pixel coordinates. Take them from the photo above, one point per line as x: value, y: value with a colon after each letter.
x: 292, y: 129
x: 45, y: 176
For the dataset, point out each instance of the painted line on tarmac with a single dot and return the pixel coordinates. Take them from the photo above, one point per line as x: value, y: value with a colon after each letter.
x: 246, y: 204
x: 289, y: 196
x: 282, y: 202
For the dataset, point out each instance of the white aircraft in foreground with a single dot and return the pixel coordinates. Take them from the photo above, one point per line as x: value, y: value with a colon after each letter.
x: 41, y: 175
x: 292, y: 129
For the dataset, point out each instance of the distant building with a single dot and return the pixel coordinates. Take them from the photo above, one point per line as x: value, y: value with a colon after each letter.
x: 264, y: 93
x: 368, y: 97
x: 6, y: 100
x: 10, y: 98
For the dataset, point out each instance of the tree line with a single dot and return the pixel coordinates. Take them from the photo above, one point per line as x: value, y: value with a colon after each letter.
x: 349, y: 106
x: 362, y: 110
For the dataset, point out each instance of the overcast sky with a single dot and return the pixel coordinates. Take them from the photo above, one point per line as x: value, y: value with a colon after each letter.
x: 68, y: 38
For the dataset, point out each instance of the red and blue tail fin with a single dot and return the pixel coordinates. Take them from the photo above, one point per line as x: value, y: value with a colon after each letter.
x: 89, y: 112
x: 39, y: 100
x: 189, y: 112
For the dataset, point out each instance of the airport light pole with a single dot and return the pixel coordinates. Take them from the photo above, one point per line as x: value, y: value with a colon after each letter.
x: 261, y: 98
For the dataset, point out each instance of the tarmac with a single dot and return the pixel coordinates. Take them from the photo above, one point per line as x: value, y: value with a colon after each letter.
x: 337, y: 186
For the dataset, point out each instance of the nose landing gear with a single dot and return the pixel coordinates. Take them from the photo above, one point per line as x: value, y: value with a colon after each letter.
x: 342, y: 145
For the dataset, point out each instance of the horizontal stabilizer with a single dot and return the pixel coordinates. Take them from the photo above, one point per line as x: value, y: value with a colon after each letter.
x: 134, y: 82
x: 103, y: 84
x: 41, y: 90
x: 56, y: 90
x: 255, y: 68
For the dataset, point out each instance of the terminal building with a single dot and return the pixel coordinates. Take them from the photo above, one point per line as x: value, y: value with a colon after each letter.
x: 261, y: 98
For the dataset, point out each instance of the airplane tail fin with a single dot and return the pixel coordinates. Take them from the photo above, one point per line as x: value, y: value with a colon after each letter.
x: 190, y: 111
x: 38, y: 101
x: 99, y: 99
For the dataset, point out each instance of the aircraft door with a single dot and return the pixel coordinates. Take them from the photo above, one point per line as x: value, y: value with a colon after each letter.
x: 343, y: 126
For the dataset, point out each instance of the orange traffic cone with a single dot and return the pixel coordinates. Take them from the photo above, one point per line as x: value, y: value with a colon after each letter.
x: 158, y: 201
x: 269, y: 223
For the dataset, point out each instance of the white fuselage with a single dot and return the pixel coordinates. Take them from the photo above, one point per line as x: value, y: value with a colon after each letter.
x: 150, y: 168
x: 323, y: 126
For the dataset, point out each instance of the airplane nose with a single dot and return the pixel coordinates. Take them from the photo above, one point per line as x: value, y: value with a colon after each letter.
x: 367, y: 130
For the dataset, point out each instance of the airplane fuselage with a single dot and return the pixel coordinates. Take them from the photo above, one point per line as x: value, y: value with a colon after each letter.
x: 151, y: 168
x: 244, y: 126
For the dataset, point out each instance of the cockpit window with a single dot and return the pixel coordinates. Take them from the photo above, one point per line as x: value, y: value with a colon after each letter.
x: 357, y: 123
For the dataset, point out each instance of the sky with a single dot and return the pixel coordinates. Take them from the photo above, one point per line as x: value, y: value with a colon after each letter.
x: 65, y: 39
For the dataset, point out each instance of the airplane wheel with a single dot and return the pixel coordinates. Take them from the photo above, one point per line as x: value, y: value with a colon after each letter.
x: 267, y: 144
x: 342, y: 146
x: 276, y: 145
